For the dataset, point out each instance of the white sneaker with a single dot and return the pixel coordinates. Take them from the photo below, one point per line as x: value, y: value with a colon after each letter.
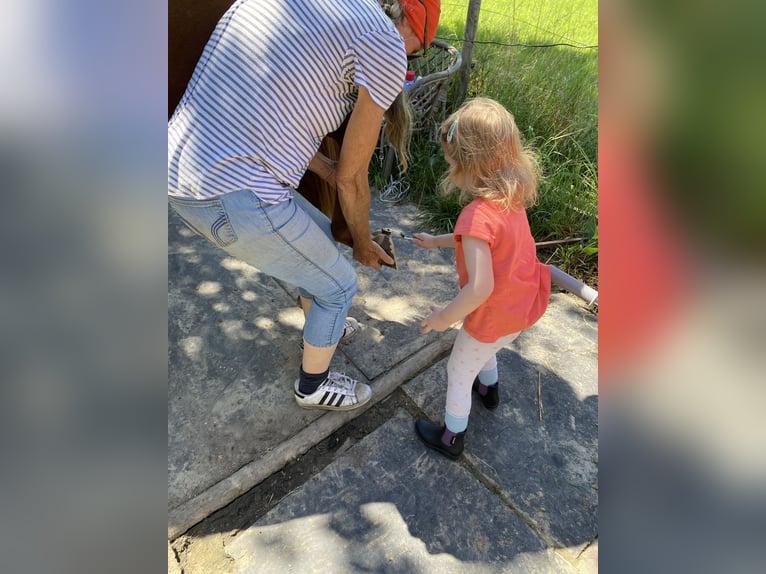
x: 350, y: 326
x: 337, y: 393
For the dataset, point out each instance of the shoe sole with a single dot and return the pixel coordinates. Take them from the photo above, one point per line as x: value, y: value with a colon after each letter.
x: 326, y: 408
x: 446, y: 453
x: 489, y: 407
x: 334, y: 408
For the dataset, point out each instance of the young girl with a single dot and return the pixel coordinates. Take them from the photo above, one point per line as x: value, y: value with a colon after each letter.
x: 503, y: 286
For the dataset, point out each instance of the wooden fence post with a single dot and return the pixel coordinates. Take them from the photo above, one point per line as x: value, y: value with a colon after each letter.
x: 464, y: 74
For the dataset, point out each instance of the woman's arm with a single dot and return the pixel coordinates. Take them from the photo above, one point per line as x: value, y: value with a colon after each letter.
x: 352, y: 178
x: 481, y: 283
x: 324, y: 167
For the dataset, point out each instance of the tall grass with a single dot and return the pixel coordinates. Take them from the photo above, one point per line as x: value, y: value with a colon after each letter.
x: 553, y: 94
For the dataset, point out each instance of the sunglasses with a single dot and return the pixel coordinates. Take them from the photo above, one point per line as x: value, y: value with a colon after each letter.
x: 421, y: 53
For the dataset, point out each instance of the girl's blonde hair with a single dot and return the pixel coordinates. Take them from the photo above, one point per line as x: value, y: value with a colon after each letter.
x: 490, y: 160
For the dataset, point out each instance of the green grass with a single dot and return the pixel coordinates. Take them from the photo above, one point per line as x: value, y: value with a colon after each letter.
x: 553, y: 93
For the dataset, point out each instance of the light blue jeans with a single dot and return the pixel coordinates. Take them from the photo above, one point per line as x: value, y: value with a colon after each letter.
x: 290, y: 241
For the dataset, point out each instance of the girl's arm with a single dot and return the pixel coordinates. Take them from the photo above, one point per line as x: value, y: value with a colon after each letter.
x: 481, y: 283
x: 426, y: 240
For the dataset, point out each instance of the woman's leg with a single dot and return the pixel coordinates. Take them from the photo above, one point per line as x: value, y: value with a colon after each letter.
x: 283, y: 241
x: 350, y: 325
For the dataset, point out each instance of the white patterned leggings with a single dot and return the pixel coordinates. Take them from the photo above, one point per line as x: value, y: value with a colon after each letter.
x: 467, y: 358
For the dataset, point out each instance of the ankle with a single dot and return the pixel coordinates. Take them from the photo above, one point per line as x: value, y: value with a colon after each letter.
x: 448, y: 437
x: 484, y: 389
x: 487, y: 377
x: 309, y: 382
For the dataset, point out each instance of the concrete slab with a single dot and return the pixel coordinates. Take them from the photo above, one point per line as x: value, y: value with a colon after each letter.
x: 587, y: 561
x: 233, y: 354
x: 391, y: 302
x: 541, y: 455
x: 173, y: 566
x: 218, y: 495
x: 390, y: 505
x: 231, y: 332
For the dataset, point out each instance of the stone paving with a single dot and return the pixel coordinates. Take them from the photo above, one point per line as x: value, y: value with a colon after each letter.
x: 523, y: 498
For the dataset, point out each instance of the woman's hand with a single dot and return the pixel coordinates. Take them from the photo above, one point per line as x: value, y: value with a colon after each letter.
x: 435, y: 321
x: 371, y: 254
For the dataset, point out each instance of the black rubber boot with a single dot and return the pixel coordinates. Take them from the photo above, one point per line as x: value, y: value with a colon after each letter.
x: 491, y: 399
x: 431, y: 435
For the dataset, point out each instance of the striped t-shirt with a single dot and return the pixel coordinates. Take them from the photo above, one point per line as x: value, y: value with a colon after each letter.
x: 275, y: 77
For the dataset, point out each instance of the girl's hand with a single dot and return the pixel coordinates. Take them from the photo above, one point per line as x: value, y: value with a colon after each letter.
x: 424, y: 240
x: 434, y: 322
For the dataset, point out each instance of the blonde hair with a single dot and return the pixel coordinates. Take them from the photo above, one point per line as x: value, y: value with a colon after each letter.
x: 490, y: 160
x: 398, y: 130
x: 399, y: 116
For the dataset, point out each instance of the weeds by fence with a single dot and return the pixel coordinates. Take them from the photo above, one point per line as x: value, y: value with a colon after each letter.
x: 540, y: 60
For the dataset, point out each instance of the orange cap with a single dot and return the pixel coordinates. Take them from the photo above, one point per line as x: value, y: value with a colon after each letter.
x: 415, y: 12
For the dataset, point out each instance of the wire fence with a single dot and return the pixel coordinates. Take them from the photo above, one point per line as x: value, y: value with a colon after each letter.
x: 539, y: 58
